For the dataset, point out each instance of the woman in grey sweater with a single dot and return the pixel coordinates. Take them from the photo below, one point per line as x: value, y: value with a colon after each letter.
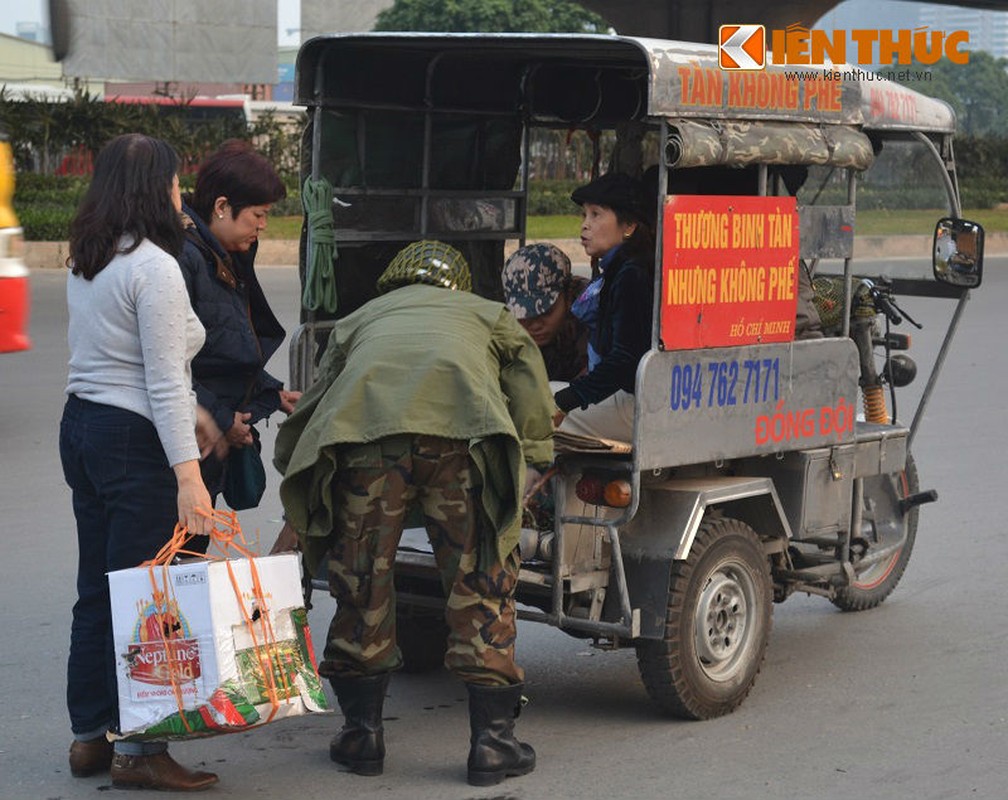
x: 128, y: 434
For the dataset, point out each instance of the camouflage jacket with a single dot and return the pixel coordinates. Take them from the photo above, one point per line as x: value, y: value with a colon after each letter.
x: 421, y: 360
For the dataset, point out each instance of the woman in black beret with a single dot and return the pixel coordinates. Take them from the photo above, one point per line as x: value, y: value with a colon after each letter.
x: 617, y: 230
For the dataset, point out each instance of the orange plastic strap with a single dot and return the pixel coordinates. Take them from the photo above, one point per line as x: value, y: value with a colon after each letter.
x: 226, y: 533
x: 164, y: 601
x: 230, y: 540
x: 266, y: 651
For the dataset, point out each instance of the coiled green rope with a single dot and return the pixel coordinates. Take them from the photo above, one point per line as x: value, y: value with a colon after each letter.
x: 320, y: 276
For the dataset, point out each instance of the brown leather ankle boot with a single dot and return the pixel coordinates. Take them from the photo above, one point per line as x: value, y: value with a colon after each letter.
x: 90, y: 757
x: 157, y: 771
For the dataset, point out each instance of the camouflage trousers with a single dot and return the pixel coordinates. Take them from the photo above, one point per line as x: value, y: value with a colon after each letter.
x: 377, y: 484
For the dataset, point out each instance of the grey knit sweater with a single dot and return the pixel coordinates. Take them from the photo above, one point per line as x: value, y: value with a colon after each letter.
x: 132, y: 337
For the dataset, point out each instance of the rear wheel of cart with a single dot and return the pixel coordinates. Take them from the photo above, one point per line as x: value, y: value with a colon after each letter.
x: 422, y: 636
x: 717, y: 624
x: 881, y: 526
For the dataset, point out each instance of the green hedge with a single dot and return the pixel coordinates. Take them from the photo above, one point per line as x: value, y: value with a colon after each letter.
x: 290, y: 206
x: 552, y: 197
x: 45, y: 204
x: 42, y: 224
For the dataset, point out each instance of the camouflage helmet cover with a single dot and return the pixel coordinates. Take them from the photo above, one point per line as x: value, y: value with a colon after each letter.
x: 534, y: 277
x: 427, y: 261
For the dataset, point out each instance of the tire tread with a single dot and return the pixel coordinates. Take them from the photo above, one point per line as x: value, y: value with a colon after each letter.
x: 660, y: 662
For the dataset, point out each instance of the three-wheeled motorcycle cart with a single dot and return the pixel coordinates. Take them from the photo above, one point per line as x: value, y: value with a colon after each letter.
x: 761, y: 463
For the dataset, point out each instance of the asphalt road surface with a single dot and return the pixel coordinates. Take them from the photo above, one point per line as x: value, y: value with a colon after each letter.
x: 909, y: 700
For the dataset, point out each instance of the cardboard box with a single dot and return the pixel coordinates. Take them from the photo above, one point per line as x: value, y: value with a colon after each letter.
x: 195, y: 642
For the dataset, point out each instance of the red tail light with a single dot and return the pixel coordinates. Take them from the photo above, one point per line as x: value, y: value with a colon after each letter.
x: 597, y: 491
x: 590, y: 490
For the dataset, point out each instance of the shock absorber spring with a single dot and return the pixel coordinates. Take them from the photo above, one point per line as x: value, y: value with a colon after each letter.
x: 875, y: 404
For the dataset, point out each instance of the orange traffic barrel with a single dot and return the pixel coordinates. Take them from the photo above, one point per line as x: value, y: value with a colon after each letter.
x: 13, y: 307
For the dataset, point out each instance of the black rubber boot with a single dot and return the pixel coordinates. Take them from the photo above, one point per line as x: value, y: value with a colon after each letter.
x: 494, y: 753
x: 360, y: 744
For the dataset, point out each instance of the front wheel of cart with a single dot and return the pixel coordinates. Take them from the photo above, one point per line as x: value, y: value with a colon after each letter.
x: 717, y: 624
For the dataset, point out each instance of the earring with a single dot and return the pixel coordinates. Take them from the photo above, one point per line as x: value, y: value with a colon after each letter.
x: 220, y: 216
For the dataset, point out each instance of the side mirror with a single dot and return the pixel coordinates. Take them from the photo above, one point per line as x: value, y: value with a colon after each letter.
x: 958, y: 252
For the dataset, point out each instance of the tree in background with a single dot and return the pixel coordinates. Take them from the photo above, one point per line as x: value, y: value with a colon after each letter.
x: 975, y: 90
x: 490, y: 16
x: 54, y: 142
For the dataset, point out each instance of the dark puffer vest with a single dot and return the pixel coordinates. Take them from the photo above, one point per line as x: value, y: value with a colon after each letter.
x: 241, y: 330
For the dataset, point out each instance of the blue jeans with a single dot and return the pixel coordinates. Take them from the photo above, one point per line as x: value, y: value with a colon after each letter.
x: 125, y: 503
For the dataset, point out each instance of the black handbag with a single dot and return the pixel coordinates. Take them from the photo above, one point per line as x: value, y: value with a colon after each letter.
x: 244, y: 475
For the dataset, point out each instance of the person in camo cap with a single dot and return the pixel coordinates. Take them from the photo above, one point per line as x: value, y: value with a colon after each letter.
x: 540, y: 290
x: 427, y: 396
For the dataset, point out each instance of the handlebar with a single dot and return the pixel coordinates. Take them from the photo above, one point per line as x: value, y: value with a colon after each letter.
x: 885, y: 304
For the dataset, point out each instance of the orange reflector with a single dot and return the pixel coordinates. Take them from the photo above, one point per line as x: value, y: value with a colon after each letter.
x: 617, y: 494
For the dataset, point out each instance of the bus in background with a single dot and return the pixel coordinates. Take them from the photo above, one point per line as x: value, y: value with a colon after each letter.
x: 236, y: 109
x: 193, y: 110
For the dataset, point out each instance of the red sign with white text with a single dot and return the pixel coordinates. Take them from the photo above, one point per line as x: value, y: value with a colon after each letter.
x: 729, y: 271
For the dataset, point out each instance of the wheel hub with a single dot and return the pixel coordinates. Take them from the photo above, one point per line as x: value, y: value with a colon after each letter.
x: 721, y: 622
